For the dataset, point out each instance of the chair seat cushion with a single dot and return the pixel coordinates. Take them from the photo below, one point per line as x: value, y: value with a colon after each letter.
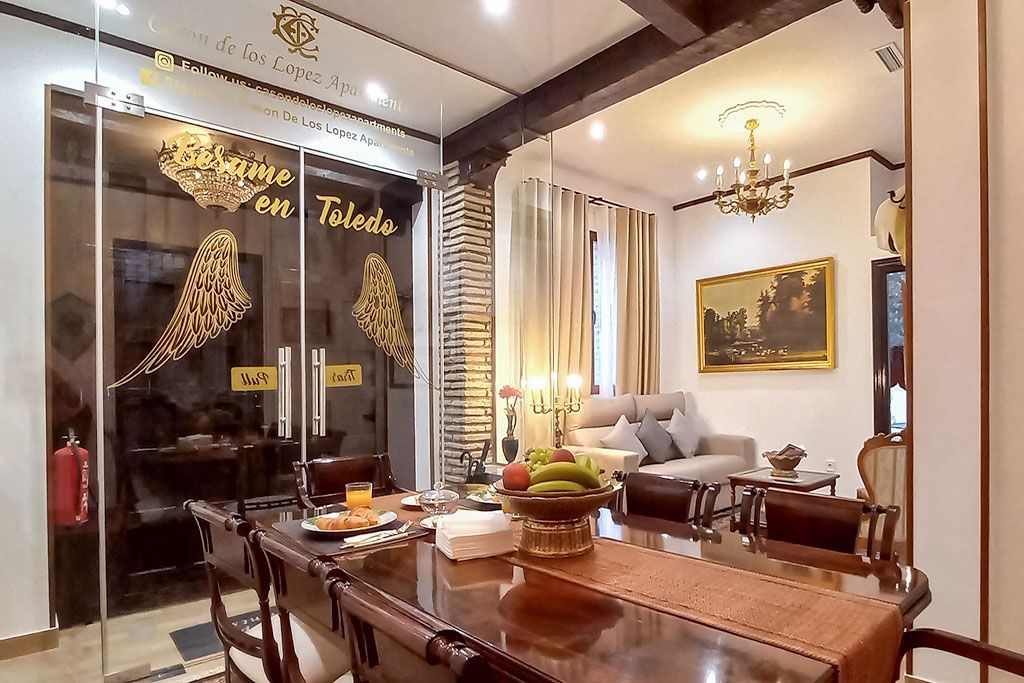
x: 320, y: 660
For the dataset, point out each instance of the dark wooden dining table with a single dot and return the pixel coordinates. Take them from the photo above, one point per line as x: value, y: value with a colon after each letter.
x: 558, y: 630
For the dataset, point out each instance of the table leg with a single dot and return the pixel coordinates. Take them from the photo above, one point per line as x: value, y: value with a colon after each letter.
x: 732, y: 507
x: 832, y: 488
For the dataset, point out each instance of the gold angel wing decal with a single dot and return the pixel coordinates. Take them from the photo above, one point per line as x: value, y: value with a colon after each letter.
x: 212, y: 301
x: 379, y: 315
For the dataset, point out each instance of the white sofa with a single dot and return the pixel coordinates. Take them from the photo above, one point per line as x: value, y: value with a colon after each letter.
x: 718, y: 455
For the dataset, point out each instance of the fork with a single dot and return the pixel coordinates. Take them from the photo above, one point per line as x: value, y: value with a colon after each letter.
x: 379, y: 536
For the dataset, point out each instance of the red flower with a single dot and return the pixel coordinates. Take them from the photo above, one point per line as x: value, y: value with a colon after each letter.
x: 507, y: 392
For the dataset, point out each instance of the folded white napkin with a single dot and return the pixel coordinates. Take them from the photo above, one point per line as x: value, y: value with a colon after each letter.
x: 468, y: 534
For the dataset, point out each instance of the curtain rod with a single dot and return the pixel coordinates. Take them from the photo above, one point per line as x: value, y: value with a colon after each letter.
x: 591, y: 200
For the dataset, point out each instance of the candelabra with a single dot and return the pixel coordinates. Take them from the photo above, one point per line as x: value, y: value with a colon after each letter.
x: 559, y: 405
x: 750, y: 194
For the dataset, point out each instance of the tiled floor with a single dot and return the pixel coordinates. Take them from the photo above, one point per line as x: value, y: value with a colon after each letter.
x: 134, y: 640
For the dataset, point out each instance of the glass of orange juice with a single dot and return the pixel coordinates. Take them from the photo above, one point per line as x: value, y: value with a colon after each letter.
x: 358, y: 494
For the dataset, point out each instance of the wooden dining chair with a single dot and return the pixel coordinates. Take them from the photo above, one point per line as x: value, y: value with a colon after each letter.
x: 310, y: 652
x: 251, y: 655
x: 961, y: 646
x: 882, y: 464
x: 321, y: 481
x: 390, y: 645
x: 673, y: 499
x: 826, y: 522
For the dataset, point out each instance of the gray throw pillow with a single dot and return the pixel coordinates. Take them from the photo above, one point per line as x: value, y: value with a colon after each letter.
x: 656, y: 440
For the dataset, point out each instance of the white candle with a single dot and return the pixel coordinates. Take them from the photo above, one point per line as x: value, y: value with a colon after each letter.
x: 785, y: 171
x: 718, y: 181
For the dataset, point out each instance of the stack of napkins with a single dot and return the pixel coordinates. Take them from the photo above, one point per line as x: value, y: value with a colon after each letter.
x: 468, y: 534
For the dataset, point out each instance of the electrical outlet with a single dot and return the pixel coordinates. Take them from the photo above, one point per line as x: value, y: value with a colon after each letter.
x: 830, y: 465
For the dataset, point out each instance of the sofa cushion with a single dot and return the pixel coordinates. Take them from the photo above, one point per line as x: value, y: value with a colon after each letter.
x: 624, y: 438
x: 705, y: 468
x: 656, y: 440
x: 661, y: 405
x: 685, y: 434
x: 603, y: 412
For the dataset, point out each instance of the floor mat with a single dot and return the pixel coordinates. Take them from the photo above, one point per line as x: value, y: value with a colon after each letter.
x: 195, y: 642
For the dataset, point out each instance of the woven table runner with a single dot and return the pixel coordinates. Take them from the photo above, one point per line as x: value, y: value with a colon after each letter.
x: 857, y: 635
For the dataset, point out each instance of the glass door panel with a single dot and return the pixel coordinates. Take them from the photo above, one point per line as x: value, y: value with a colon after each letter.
x: 201, y: 318
x: 359, y: 312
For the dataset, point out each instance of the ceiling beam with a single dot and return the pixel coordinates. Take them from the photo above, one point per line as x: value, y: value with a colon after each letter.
x: 893, y: 9
x: 680, y: 20
x: 634, y: 64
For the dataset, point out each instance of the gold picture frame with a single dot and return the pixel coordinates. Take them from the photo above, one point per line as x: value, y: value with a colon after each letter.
x: 761, y: 328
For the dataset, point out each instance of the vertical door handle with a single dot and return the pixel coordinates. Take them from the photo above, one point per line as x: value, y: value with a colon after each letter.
x: 284, y: 392
x: 319, y: 392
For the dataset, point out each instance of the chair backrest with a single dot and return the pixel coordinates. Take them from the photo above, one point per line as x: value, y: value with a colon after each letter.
x: 298, y: 578
x: 390, y: 644
x: 828, y: 522
x: 229, y: 554
x: 670, y: 498
x: 961, y: 646
x: 882, y: 463
x: 321, y: 481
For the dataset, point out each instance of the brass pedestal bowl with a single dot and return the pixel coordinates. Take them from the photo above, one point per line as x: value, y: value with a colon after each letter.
x: 555, y: 524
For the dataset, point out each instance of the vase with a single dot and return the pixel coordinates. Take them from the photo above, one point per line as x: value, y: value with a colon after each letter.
x: 510, y: 447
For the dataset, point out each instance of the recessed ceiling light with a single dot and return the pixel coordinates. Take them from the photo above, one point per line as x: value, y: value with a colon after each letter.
x: 123, y: 10
x: 597, y: 130
x: 375, y: 93
x: 702, y: 174
x: 496, y: 7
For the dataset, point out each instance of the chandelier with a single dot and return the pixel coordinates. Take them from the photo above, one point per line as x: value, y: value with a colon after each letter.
x: 210, y: 172
x: 751, y: 192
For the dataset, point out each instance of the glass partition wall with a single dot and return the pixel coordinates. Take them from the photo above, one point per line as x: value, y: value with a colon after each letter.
x: 243, y: 271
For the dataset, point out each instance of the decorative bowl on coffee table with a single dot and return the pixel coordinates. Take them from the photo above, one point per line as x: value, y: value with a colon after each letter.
x: 555, y: 524
x: 784, y: 462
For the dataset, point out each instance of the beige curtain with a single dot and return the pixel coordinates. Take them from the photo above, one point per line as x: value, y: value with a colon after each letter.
x: 638, y: 346
x: 550, y: 291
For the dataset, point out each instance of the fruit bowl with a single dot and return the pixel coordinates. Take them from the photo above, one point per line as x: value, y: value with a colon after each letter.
x: 555, y: 524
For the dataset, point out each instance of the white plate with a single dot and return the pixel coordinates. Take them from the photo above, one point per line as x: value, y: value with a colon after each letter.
x: 430, y: 522
x: 477, y: 497
x: 385, y: 518
x: 412, y: 501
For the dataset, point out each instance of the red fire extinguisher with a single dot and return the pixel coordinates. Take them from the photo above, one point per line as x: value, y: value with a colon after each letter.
x: 69, y: 495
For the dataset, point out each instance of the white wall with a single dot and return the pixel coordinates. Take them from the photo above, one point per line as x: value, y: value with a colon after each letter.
x: 946, y: 321
x: 1006, y: 123
x: 830, y: 412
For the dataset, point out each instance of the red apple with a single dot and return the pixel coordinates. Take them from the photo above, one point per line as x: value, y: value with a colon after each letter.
x: 562, y: 455
x: 515, y: 477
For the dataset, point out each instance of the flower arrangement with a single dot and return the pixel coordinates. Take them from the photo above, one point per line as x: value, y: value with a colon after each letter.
x: 511, y: 396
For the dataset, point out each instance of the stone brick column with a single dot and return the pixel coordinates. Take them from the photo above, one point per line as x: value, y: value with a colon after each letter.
x: 467, y: 320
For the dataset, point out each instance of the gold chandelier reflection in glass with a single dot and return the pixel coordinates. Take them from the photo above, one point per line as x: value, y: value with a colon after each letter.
x: 222, y: 184
x: 751, y: 192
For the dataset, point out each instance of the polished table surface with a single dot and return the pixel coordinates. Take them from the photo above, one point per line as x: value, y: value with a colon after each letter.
x: 562, y: 631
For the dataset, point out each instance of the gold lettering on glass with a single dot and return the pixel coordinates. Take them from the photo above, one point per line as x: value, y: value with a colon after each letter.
x: 298, y: 30
x: 348, y: 375
x: 255, y: 378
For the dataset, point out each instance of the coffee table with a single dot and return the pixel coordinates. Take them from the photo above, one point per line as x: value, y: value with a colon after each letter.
x: 761, y: 477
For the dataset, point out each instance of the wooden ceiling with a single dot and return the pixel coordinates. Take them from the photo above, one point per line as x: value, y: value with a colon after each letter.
x: 682, y: 34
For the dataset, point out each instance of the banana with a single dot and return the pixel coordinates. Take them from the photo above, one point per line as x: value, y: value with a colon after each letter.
x: 553, y: 486
x: 565, y: 471
x: 589, y: 463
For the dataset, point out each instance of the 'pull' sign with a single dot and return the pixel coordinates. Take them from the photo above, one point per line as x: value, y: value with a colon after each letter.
x: 259, y: 378
x: 344, y: 375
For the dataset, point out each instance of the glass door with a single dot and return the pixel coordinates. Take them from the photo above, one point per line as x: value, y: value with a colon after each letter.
x: 201, y: 341
x: 359, y: 312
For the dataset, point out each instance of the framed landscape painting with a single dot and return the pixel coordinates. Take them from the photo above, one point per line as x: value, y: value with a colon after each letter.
x: 779, y: 318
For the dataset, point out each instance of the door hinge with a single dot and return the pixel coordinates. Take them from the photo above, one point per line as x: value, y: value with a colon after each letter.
x: 114, y: 100
x: 435, y: 181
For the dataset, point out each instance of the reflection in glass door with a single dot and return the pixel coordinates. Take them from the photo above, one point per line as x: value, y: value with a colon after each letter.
x: 358, y: 306
x: 201, y: 306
